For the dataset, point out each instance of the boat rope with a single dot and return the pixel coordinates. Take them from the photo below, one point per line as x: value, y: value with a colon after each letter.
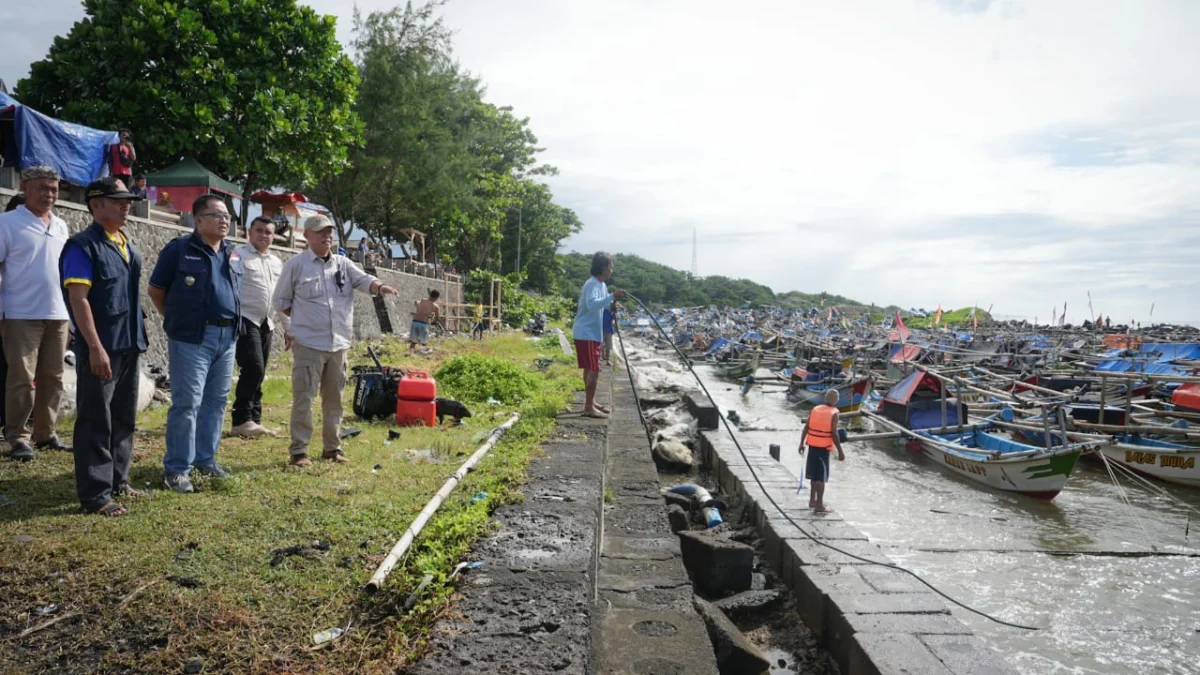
x: 754, y: 472
x: 1125, y: 498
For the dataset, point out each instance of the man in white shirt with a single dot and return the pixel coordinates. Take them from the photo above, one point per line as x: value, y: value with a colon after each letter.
x: 35, y: 314
x: 316, y: 290
x: 262, y: 270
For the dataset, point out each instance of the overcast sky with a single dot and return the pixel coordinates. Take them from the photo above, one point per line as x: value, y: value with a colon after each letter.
x: 1010, y: 152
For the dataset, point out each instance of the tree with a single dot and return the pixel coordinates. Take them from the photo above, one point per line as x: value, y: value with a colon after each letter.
x: 256, y: 90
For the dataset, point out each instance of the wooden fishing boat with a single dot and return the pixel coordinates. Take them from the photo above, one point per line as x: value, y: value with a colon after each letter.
x: 920, y: 409
x: 851, y: 393
x: 987, y: 458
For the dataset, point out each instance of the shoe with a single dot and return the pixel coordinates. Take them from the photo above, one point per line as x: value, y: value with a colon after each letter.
x: 52, y: 444
x: 214, y: 470
x: 300, y: 461
x: 22, y: 452
x: 129, y: 492
x: 179, y: 482
x: 247, y: 429
x: 267, y: 431
x: 335, y: 456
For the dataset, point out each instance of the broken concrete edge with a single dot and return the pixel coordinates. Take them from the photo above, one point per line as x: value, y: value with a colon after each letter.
x: 873, y: 620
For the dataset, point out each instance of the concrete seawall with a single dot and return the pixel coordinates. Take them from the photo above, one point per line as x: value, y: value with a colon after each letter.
x: 369, y: 318
x: 872, y: 619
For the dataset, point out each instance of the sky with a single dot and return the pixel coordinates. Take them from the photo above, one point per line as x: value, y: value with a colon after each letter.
x: 1009, y: 153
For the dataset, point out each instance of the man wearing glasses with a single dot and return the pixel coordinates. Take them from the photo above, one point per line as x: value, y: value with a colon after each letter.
x: 196, y: 286
x: 316, y: 289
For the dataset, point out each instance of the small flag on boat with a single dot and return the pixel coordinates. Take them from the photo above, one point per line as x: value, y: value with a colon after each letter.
x: 1152, y: 309
x: 938, y: 319
x: 900, y: 327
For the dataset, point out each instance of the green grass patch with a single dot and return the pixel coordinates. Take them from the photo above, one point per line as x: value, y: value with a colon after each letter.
x: 255, y: 610
x: 951, y: 319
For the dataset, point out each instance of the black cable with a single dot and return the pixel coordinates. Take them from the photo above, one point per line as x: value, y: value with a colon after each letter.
x: 687, y: 362
x: 629, y: 371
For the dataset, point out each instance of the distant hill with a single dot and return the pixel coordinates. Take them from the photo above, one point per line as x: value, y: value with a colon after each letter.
x: 658, y: 284
x: 661, y: 285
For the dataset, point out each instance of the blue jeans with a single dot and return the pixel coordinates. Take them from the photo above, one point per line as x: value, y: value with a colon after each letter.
x: 200, y: 379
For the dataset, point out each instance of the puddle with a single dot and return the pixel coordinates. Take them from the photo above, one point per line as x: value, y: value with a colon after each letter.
x: 781, y: 661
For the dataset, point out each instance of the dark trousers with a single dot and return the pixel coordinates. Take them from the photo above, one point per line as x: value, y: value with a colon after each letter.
x: 253, y: 350
x: 3, y: 378
x: 105, y: 415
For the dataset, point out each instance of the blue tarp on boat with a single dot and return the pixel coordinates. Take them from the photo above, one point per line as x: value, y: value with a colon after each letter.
x: 77, y: 152
x: 716, y: 346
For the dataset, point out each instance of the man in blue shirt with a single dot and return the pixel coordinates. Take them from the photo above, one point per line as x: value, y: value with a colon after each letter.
x: 101, y: 272
x: 588, y: 329
x: 196, y: 286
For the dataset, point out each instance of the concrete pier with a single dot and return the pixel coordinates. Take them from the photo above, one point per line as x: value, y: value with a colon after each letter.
x: 873, y: 620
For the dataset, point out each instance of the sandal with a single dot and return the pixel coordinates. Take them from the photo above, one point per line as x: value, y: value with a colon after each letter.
x: 606, y: 411
x: 111, y: 510
x: 130, y: 492
x: 595, y: 414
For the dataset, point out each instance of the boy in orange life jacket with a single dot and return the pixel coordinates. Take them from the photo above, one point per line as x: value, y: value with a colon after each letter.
x: 821, y: 434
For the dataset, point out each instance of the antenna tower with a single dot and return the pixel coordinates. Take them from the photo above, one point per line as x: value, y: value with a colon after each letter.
x: 695, y: 265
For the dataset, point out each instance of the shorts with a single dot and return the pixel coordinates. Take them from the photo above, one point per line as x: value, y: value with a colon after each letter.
x: 587, y: 354
x: 419, y: 333
x: 816, y: 467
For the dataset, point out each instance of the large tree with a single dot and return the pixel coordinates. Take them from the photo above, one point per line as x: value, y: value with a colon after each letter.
x: 256, y: 90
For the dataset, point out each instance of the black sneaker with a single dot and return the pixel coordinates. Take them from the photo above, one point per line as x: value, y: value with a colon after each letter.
x: 22, y: 452
x: 179, y: 482
x: 213, y: 470
x: 52, y: 444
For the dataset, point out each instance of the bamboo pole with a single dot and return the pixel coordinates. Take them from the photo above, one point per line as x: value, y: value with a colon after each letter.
x: 422, y: 518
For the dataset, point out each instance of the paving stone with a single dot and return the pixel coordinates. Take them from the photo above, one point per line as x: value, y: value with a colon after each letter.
x: 736, y: 655
x: 967, y: 655
x: 640, y: 548
x: 892, y: 654
x: 649, y: 642
x: 716, y: 564
x: 620, y: 574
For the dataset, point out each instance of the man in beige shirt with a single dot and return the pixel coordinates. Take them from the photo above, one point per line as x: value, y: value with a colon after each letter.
x: 262, y: 270
x: 316, y: 290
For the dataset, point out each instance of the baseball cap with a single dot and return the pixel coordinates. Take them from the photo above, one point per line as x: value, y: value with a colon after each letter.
x: 317, y: 223
x: 113, y: 188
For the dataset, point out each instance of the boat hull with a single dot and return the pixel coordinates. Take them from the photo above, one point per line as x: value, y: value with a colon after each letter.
x: 850, y: 395
x: 1040, y: 476
x: 1180, y: 466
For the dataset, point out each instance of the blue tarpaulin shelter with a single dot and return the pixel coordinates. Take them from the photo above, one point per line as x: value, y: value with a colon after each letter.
x: 1153, y: 358
x: 30, y: 138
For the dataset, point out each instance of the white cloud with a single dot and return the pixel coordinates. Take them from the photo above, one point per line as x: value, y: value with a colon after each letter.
x: 872, y: 149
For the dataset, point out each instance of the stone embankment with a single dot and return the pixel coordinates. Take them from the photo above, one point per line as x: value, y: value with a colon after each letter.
x: 874, y: 620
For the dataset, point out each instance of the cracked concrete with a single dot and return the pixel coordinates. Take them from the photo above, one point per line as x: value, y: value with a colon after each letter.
x: 571, y: 584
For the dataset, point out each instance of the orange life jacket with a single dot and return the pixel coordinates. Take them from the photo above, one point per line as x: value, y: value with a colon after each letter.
x: 820, y: 427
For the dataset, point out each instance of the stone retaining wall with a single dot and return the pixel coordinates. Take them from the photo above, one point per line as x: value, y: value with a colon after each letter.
x: 151, y: 237
x: 873, y: 620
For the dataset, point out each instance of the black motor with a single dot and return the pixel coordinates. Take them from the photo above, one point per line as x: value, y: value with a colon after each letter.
x: 375, y: 389
x: 536, y: 325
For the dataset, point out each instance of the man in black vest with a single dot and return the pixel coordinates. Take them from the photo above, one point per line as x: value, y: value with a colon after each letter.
x: 101, y: 270
x: 197, y: 286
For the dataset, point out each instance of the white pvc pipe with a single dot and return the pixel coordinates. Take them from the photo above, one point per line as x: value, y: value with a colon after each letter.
x: 431, y: 508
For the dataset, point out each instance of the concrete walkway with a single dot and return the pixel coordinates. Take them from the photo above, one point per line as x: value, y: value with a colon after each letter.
x: 574, y: 583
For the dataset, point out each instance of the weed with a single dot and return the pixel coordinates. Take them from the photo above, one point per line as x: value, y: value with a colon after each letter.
x: 247, y: 615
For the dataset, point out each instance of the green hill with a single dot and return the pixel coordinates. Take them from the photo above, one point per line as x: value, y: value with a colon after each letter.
x: 661, y: 285
x: 954, y: 317
x: 658, y: 284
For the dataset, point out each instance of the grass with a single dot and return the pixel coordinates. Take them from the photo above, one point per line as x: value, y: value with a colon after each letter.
x: 119, y: 579
x: 952, y: 318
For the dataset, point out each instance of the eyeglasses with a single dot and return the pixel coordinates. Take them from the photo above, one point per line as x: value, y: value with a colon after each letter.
x: 218, y: 216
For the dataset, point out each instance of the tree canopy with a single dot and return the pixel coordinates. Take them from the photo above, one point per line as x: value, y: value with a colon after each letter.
x: 256, y: 90
x: 440, y: 159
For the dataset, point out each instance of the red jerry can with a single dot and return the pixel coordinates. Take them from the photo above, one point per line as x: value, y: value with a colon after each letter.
x: 415, y: 404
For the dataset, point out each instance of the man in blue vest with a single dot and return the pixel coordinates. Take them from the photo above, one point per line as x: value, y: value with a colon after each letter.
x: 101, y: 271
x: 197, y: 286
